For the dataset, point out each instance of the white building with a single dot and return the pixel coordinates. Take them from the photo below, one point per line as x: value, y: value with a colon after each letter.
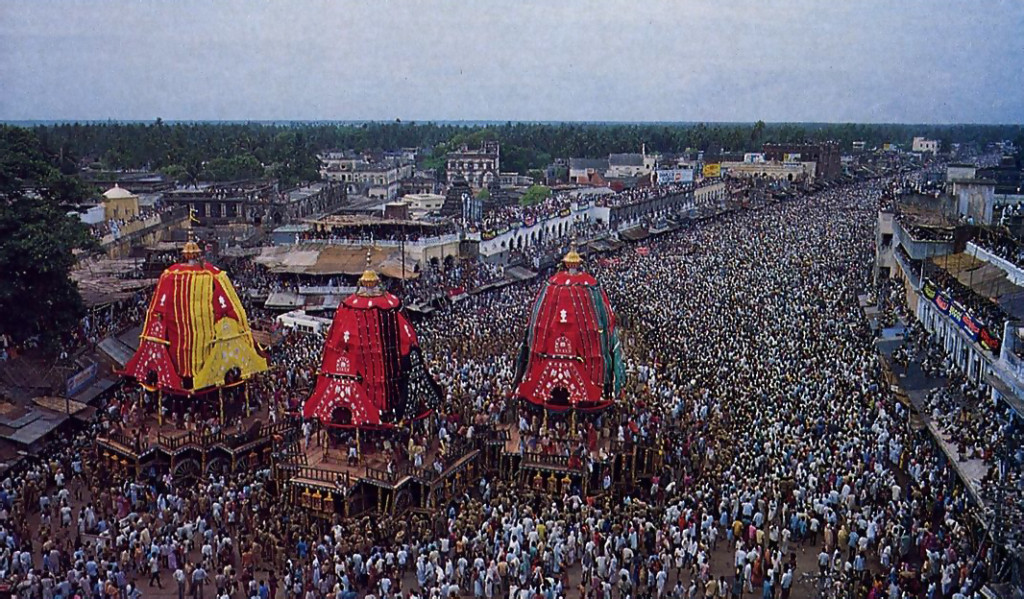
x: 923, y: 145
x: 378, y: 180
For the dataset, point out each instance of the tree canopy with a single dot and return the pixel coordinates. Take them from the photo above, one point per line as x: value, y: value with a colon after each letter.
x: 535, y: 195
x: 288, y: 151
x: 37, y: 296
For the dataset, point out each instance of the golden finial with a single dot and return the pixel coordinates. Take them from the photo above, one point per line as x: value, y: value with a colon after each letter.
x: 191, y: 251
x: 572, y: 260
x: 369, y: 281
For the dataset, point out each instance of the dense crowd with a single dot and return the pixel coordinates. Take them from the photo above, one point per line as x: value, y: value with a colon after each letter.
x: 1005, y: 248
x: 751, y: 366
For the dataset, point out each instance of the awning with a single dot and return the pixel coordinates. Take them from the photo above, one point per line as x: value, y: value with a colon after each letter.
x: 604, y: 245
x: 283, y: 300
x: 39, y: 428
x: 985, y: 279
x: 520, y: 273
x: 325, y: 259
x: 420, y: 308
x: 634, y: 234
x: 117, y: 350
x: 94, y: 390
x: 59, y: 404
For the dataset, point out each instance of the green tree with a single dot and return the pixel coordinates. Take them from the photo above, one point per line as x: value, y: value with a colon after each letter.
x: 483, y: 194
x: 757, y: 134
x: 37, y: 295
x: 535, y: 195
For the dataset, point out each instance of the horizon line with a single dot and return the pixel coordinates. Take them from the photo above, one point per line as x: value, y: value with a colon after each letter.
x: 476, y: 122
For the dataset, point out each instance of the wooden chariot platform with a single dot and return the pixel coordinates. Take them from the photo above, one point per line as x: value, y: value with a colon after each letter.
x: 243, y: 443
x: 329, y: 483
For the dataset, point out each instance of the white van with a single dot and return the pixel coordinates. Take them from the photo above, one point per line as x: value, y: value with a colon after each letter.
x: 301, y: 322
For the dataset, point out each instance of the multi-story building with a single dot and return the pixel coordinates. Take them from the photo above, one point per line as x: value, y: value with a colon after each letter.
x: 224, y: 203
x: 621, y: 166
x: 316, y: 199
x: 420, y: 182
x: 925, y: 145
x: 792, y: 172
x: 825, y: 155
x: 480, y: 167
x: 586, y: 170
x: 378, y: 179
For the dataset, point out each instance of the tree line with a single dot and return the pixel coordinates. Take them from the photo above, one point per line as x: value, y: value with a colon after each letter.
x: 225, y: 151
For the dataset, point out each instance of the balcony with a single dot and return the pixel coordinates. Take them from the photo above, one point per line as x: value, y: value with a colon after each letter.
x: 911, y: 271
x: 1014, y: 273
x: 395, y: 243
x: 920, y: 249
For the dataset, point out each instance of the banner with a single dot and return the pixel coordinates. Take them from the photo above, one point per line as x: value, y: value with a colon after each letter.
x: 80, y: 379
x: 972, y: 326
x: 795, y: 157
x: 488, y: 235
x: 564, y: 212
x: 678, y: 175
x: 988, y: 341
x: 712, y: 170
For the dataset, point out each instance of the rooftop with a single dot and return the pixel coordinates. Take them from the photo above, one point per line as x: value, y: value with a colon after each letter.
x: 625, y: 160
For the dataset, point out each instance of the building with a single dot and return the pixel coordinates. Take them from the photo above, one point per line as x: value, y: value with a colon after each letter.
x: 792, y: 172
x: 712, y: 193
x: 975, y: 200
x: 513, y: 179
x: 120, y: 204
x: 225, y: 203
x: 381, y: 180
x: 924, y: 145
x: 421, y: 182
x: 423, y: 203
x: 825, y: 155
x: 960, y: 172
x: 136, y: 182
x: 311, y: 200
x: 621, y: 166
x: 585, y: 171
x: 1008, y: 177
x: 480, y: 167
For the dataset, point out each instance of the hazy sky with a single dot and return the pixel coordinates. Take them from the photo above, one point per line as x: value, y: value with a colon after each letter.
x: 640, y: 60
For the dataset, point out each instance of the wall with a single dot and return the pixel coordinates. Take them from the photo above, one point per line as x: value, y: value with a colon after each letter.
x: 883, y: 250
x: 147, y: 232
x: 121, y: 207
x: 975, y: 201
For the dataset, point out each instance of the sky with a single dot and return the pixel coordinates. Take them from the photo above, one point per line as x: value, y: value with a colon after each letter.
x: 916, y: 61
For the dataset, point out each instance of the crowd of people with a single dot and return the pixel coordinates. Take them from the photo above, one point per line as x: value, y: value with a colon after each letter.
x: 1004, y: 247
x: 121, y: 226
x: 751, y: 366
